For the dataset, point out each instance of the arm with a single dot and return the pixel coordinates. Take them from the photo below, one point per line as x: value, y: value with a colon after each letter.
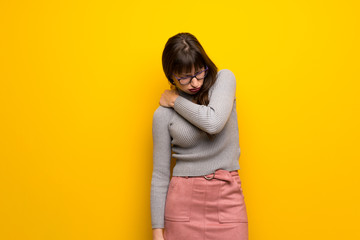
x: 161, y: 166
x: 213, y: 117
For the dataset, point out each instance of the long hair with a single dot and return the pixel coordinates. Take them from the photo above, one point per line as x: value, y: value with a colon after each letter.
x: 182, y: 52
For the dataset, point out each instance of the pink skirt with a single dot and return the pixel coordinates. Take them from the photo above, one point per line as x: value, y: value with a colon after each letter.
x: 197, y: 208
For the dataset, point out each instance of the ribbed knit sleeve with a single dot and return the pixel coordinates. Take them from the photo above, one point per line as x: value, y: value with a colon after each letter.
x: 161, y: 165
x: 213, y: 117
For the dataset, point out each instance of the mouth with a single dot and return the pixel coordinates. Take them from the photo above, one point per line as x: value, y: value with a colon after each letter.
x: 194, y: 89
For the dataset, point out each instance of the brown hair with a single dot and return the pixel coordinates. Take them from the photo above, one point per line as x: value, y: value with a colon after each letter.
x: 183, y: 51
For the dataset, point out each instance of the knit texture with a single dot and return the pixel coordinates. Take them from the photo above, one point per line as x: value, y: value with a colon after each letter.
x: 179, y: 132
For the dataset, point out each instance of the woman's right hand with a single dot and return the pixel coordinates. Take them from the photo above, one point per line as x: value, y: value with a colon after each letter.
x: 158, y: 234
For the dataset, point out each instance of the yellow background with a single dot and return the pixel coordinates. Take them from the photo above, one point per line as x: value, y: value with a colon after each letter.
x: 80, y: 81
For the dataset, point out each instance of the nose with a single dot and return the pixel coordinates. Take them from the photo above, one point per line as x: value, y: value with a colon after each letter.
x: 196, y: 84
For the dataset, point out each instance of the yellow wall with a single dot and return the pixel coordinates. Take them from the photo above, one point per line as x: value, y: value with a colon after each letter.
x: 80, y: 81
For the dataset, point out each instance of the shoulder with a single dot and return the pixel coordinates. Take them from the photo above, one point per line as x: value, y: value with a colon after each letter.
x: 225, y: 79
x: 226, y: 74
x: 162, y: 114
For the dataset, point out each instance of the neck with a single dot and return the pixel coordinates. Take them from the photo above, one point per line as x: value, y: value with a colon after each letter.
x: 185, y: 95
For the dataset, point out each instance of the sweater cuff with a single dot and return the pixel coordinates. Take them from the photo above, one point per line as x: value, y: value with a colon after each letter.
x: 183, y: 106
x: 157, y: 226
x: 177, y: 100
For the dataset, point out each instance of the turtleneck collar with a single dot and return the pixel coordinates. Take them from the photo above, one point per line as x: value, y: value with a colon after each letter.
x: 185, y: 95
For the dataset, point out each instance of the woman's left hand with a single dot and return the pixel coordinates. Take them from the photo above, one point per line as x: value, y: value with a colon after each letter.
x: 168, y: 97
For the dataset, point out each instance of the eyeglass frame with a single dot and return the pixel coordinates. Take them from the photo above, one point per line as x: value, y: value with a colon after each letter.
x: 191, y: 77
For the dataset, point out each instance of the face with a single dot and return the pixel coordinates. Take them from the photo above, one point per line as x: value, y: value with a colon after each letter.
x: 194, y: 83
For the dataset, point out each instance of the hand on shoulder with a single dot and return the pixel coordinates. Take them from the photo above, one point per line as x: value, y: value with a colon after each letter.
x: 168, y: 97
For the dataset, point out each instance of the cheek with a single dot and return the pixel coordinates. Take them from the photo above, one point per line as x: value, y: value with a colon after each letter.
x: 182, y: 88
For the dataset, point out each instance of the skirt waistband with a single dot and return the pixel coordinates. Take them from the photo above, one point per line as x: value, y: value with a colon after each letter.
x: 220, y: 174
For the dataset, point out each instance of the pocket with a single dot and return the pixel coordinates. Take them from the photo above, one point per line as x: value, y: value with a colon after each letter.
x: 231, y: 203
x: 178, y: 200
x: 238, y: 181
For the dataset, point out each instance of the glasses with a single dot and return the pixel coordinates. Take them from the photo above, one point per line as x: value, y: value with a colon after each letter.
x: 187, y: 79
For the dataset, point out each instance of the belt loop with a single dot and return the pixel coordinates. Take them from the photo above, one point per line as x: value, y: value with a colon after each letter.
x: 187, y: 177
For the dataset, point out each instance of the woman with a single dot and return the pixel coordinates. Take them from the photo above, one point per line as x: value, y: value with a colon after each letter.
x: 197, y: 121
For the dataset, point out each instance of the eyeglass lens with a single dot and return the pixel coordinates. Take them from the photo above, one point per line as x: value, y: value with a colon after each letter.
x: 200, y: 75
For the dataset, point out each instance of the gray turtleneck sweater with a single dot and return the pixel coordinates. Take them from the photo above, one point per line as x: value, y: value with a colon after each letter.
x: 181, y: 130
